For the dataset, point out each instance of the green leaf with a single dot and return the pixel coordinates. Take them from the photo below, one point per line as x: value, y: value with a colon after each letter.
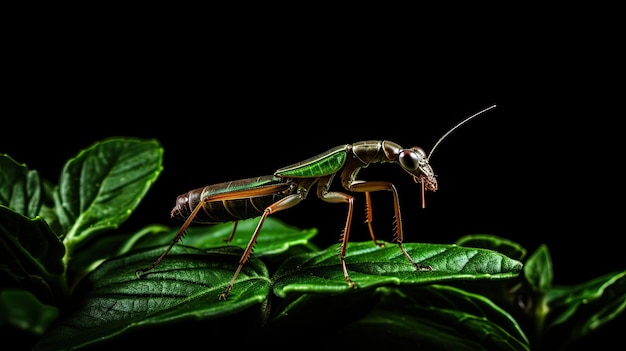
x: 101, y: 187
x: 437, y: 317
x: 433, y: 317
x: 94, y: 252
x: 20, y: 188
x: 298, y: 313
x: 31, y: 255
x: 493, y: 242
x: 20, y: 309
x: 370, y: 266
x: 48, y: 209
x: 274, y: 238
x: 538, y: 270
x: 185, y: 286
x: 579, y: 310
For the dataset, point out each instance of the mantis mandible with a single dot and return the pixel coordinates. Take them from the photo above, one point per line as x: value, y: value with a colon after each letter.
x: 262, y: 196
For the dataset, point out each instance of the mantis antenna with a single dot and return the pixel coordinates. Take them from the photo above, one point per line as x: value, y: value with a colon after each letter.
x: 456, y: 126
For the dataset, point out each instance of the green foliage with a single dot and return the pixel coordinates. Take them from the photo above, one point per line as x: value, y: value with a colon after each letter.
x: 68, y: 276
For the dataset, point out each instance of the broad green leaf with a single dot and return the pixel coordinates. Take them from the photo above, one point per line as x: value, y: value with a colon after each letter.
x: 275, y: 236
x: 537, y: 281
x: 538, y: 270
x: 185, y: 286
x: 371, y: 266
x: 579, y: 310
x: 31, y: 255
x: 116, y: 243
x: 103, y: 184
x: 20, y: 188
x: 493, y: 242
x: 437, y: 317
x: 401, y: 330
x: 48, y: 209
x: 319, y: 311
x: 20, y: 309
x: 433, y: 317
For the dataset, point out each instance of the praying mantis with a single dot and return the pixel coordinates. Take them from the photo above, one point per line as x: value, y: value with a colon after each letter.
x: 262, y: 196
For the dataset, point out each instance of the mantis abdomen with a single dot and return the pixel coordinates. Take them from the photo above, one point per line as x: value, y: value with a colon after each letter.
x: 216, y: 208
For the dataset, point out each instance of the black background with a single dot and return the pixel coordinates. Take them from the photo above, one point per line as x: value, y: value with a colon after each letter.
x: 543, y: 167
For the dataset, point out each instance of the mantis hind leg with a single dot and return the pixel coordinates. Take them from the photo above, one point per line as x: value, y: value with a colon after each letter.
x: 179, y: 235
x: 279, y: 205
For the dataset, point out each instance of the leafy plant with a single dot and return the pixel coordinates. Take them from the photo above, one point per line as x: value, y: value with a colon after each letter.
x: 68, y: 276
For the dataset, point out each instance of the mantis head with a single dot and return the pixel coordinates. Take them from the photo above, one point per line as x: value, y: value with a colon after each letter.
x: 416, y: 162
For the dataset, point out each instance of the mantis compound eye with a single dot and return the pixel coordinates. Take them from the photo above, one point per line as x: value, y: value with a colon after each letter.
x: 411, y: 159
